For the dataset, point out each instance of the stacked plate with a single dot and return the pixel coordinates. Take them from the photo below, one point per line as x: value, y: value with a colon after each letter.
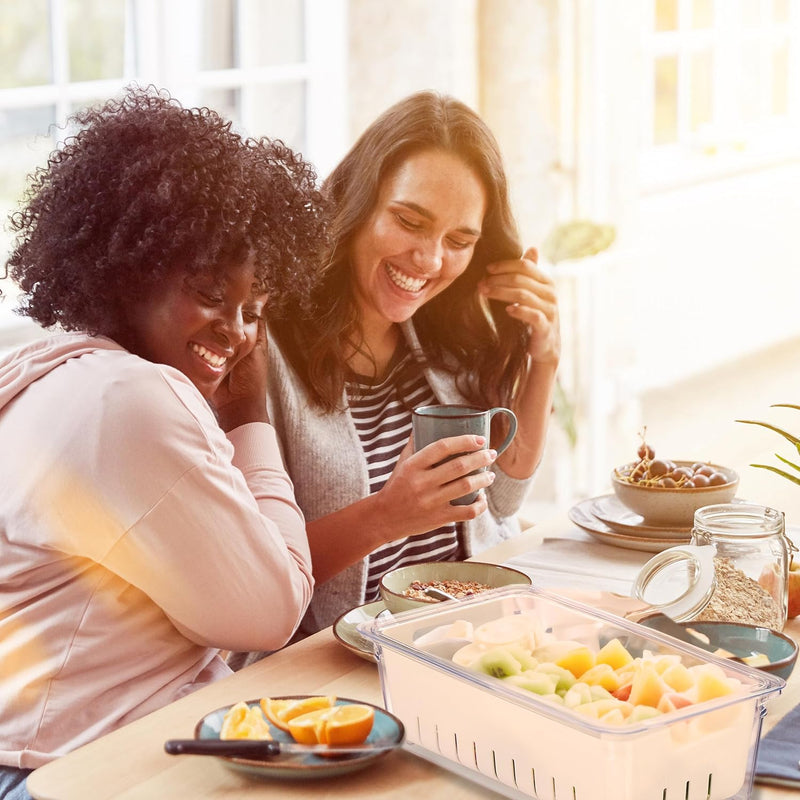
x: 609, y: 521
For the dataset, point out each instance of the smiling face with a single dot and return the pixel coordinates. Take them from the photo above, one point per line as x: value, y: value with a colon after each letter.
x: 419, y: 238
x: 202, y: 325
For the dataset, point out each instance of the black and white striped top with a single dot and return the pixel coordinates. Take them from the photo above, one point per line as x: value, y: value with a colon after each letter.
x: 382, y: 416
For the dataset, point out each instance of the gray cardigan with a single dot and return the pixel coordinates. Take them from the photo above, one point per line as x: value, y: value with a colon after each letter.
x: 324, y: 458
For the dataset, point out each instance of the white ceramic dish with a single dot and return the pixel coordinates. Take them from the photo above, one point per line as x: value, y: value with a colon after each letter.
x: 345, y: 629
x: 609, y: 509
x: 661, y: 506
x: 582, y: 516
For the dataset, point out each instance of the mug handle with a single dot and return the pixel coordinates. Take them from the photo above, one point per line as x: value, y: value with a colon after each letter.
x: 512, y: 426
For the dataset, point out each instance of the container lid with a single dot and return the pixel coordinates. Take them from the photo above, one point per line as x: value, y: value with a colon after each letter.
x: 678, y: 581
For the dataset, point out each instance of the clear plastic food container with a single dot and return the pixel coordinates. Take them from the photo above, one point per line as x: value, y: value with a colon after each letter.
x: 523, y: 746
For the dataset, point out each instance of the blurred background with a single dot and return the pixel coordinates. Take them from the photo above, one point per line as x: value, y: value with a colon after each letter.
x: 653, y: 149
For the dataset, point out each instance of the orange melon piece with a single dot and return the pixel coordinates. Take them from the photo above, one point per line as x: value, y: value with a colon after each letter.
x: 672, y: 701
x: 647, y: 687
x: 602, y: 674
x: 711, y: 683
x: 678, y: 677
x: 614, y: 654
x: 577, y: 661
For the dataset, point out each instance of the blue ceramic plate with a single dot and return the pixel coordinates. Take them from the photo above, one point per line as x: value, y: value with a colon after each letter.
x: 746, y: 640
x: 386, y: 729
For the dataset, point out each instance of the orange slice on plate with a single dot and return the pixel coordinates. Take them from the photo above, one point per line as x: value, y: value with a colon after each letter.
x: 280, y: 711
x: 244, y: 722
x: 348, y: 724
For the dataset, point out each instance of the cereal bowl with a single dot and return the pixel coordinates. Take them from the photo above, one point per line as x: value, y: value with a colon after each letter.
x: 664, y: 506
x: 402, y: 588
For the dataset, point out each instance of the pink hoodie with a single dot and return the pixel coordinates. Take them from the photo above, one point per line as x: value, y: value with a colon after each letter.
x: 136, y: 539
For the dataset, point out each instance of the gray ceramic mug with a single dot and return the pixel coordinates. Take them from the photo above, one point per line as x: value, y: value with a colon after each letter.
x: 430, y: 423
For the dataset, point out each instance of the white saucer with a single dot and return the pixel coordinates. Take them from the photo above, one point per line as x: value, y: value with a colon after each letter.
x: 345, y: 629
x: 609, y: 509
x: 582, y: 516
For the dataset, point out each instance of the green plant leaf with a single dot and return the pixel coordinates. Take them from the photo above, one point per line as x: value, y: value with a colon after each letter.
x: 786, y: 435
x: 782, y: 473
x: 565, y: 414
x: 786, y: 461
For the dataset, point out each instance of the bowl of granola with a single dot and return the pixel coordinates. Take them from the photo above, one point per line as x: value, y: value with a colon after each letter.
x: 404, y: 588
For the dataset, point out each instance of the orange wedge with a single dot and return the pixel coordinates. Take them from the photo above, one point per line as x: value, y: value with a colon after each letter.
x: 339, y: 725
x: 280, y: 711
x: 244, y: 722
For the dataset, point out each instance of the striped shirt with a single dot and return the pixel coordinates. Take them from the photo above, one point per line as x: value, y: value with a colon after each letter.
x: 382, y: 416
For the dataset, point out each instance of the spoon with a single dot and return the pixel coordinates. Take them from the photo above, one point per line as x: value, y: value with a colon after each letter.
x: 438, y: 594
x: 668, y: 625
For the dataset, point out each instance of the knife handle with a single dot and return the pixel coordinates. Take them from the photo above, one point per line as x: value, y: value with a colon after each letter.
x: 241, y: 748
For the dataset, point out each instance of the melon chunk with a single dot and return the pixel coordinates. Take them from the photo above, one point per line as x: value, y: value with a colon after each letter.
x: 614, y: 654
x: 602, y: 675
x: 678, y: 677
x: 647, y: 687
x: 577, y: 661
x: 710, y: 682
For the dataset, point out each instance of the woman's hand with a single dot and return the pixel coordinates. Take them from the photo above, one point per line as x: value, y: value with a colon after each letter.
x: 416, y: 497
x: 242, y: 395
x: 531, y: 298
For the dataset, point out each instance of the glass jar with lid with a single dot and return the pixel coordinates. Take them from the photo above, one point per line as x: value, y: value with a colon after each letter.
x: 735, y: 569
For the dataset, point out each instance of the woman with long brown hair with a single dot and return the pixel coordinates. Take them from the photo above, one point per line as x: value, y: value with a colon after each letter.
x: 426, y: 297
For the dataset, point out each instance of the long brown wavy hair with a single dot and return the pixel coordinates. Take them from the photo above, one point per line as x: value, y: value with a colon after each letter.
x: 459, y: 331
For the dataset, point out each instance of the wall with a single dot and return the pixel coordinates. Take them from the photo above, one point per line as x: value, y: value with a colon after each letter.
x: 399, y: 48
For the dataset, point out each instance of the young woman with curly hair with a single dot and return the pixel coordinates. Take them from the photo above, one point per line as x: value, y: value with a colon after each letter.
x: 426, y: 297
x: 146, y: 518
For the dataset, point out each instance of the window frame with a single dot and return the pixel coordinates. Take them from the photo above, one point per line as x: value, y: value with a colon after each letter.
x: 730, y: 146
x: 155, y: 32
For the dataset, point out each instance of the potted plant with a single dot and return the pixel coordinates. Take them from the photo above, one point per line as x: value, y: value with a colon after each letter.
x: 794, y: 477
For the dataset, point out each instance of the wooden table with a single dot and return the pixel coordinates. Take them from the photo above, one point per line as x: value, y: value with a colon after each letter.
x: 130, y: 763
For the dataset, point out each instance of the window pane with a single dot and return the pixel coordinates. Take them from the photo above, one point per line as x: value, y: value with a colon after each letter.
x: 665, y: 122
x: 226, y: 102
x: 701, y: 79
x: 271, y: 32
x: 751, y: 13
x: 278, y: 111
x: 780, y: 10
x: 751, y: 88
x: 96, y: 30
x: 780, y: 79
x: 219, y: 35
x: 702, y: 13
x: 25, y: 44
x: 666, y: 15
x: 25, y: 143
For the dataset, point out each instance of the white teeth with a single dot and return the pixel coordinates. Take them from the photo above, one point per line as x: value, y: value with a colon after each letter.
x: 207, y: 355
x: 404, y: 281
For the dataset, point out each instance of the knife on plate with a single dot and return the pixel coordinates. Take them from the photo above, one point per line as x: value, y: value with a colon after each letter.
x: 260, y: 750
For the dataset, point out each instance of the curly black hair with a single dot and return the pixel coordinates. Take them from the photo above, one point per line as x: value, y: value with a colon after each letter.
x: 147, y: 188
